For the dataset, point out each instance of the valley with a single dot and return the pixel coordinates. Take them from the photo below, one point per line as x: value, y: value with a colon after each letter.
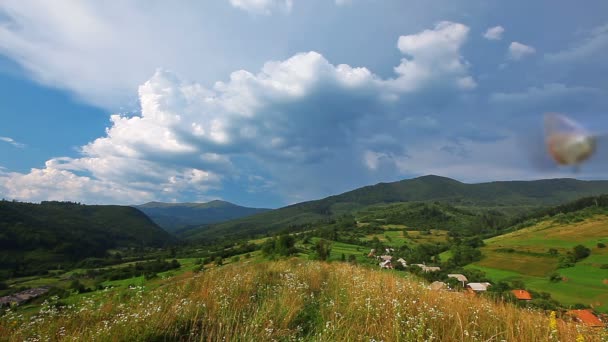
x: 515, y: 246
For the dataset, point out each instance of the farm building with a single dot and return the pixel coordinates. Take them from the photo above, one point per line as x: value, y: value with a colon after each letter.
x: 522, y: 294
x: 426, y: 268
x: 460, y: 277
x: 386, y: 264
x: 478, y: 287
x: 586, y: 317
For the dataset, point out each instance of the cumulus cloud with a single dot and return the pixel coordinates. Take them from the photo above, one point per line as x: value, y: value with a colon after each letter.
x: 292, y: 121
x: 434, y: 58
x: 596, y: 44
x: 518, y: 50
x: 12, y: 142
x: 265, y: 7
x: 494, y: 33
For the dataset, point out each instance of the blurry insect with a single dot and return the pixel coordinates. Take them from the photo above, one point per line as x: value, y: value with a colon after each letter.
x: 567, y: 142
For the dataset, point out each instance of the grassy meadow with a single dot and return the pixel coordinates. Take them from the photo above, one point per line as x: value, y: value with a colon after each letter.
x: 524, y: 255
x: 288, y: 300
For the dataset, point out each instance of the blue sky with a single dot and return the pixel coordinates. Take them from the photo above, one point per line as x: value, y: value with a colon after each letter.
x: 271, y: 102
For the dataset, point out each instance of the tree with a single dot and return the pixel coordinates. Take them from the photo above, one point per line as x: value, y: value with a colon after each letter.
x: 235, y: 258
x: 581, y: 252
x: 219, y: 261
x: 601, y: 245
x: 555, y: 277
x: 323, y: 249
x: 352, y: 258
x: 343, y: 257
x: 553, y: 251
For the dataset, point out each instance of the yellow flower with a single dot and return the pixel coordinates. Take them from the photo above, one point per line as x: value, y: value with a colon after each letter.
x: 552, y: 321
x: 580, y: 338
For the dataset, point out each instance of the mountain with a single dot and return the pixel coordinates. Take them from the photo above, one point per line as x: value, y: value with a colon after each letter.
x: 176, y: 216
x: 501, y: 195
x: 35, y: 237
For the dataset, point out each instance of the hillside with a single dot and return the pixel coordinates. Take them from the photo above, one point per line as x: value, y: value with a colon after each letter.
x: 503, y: 196
x: 175, y: 216
x: 290, y: 300
x: 35, y: 237
x: 539, y: 250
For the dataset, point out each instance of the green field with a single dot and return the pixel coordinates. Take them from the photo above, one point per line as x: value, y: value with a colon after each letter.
x: 396, y: 238
x: 530, y: 262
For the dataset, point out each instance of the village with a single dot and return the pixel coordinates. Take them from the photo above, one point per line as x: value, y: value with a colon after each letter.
x: 585, y: 316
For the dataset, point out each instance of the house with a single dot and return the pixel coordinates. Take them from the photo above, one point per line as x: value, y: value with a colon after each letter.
x: 478, y: 287
x: 438, y: 285
x: 386, y: 257
x: 386, y: 264
x: 522, y: 294
x: 426, y: 268
x: 372, y: 253
x: 402, y: 262
x: 586, y: 317
x: 460, y: 277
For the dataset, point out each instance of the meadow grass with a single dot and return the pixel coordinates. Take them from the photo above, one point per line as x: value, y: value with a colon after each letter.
x: 530, y: 262
x: 288, y: 300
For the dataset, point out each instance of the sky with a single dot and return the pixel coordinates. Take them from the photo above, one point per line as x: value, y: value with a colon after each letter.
x: 266, y: 103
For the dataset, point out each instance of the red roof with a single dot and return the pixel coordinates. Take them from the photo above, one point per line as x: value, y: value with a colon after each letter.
x: 587, y: 317
x: 522, y: 294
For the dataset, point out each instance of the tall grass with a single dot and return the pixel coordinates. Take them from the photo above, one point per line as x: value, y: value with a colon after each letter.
x: 290, y: 300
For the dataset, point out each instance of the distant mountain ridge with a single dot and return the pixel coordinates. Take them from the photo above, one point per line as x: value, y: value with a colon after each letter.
x: 176, y: 216
x: 537, y: 193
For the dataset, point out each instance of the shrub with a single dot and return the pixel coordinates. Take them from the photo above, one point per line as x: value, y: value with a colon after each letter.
x: 601, y: 245
x: 555, y: 277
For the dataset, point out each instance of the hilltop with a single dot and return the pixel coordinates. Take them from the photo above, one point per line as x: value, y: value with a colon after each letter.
x: 36, y: 237
x: 176, y: 216
x: 505, y: 196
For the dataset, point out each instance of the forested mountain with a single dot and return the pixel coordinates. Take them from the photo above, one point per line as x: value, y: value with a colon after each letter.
x: 503, y: 196
x: 174, y: 216
x: 34, y: 237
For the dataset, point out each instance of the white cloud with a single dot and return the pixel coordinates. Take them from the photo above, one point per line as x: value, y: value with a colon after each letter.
x: 518, y: 50
x: 434, y: 58
x: 596, y: 44
x: 296, y: 116
x: 494, y: 33
x: 102, y: 51
x: 263, y: 6
x: 12, y: 142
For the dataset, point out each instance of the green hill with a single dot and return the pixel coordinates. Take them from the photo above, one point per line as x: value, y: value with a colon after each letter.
x: 176, y: 216
x: 503, y: 196
x: 36, y: 237
x: 541, y: 248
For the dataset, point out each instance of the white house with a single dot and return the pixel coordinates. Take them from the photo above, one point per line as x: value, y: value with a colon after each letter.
x: 479, y: 287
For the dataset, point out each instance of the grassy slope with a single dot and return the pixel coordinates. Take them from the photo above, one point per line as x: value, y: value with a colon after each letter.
x: 288, y: 300
x: 584, y: 283
x: 518, y: 194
